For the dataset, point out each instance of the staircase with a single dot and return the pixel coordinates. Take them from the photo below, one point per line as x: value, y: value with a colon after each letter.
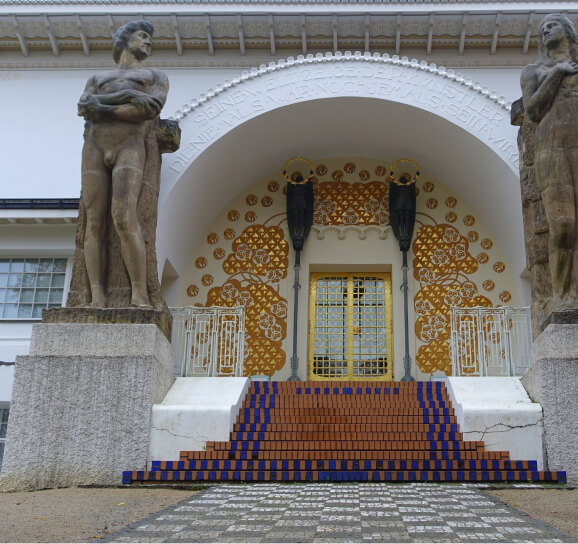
x: 343, y: 432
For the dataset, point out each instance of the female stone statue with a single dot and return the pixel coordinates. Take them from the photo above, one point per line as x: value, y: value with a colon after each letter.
x: 550, y: 95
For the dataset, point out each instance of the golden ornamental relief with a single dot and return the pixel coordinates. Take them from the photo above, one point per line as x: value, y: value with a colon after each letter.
x: 260, y: 250
x: 265, y: 322
x: 442, y: 265
x: 342, y: 203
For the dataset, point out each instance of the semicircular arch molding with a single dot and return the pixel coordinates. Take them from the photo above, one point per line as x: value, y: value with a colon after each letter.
x: 442, y: 92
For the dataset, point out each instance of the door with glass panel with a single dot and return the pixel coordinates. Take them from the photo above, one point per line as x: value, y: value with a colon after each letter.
x: 350, y: 326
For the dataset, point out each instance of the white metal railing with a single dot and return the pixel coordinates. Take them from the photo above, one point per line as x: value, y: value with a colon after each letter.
x: 490, y: 341
x: 209, y: 341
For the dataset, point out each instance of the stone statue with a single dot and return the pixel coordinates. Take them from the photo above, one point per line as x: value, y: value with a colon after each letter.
x: 115, y: 261
x: 535, y: 222
x: 550, y: 100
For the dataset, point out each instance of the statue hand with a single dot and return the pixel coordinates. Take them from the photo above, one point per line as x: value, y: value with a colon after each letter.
x: 568, y: 67
x: 89, y: 108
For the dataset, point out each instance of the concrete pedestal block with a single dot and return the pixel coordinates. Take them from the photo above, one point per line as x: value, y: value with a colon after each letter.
x: 552, y: 380
x: 81, y: 408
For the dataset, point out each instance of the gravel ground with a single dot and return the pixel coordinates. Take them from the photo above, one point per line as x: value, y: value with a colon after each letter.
x: 87, y: 514
x: 556, y: 507
x: 78, y: 514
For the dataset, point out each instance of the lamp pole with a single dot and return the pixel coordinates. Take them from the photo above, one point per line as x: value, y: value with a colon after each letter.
x: 296, y: 286
x: 402, y: 207
x: 300, y: 202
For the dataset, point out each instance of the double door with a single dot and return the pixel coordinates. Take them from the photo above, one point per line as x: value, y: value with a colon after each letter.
x: 350, y: 327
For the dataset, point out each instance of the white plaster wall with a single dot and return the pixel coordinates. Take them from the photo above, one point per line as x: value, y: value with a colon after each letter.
x: 49, y: 164
x: 6, y: 380
x: 37, y: 240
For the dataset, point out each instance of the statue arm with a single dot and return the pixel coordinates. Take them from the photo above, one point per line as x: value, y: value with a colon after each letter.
x: 125, y: 105
x: 538, y: 98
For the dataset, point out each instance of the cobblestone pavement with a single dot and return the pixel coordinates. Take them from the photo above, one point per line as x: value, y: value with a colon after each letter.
x: 372, y: 512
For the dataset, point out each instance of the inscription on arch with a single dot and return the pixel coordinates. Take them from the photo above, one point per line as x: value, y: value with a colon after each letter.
x: 259, y: 93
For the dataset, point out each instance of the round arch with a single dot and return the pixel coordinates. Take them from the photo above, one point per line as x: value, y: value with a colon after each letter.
x: 332, y: 106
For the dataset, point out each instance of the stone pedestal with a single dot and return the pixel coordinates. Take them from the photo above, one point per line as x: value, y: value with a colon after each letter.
x: 82, y: 400
x: 552, y: 381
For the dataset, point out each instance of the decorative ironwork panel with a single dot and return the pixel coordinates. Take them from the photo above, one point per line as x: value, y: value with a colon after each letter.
x: 490, y: 341
x: 350, y: 327
x: 209, y: 341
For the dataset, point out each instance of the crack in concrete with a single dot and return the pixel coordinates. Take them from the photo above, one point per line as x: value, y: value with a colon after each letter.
x: 508, y: 428
x: 199, y: 438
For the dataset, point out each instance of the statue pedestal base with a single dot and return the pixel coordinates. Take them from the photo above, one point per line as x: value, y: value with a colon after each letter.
x: 81, y: 406
x: 138, y: 316
x: 552, y: 380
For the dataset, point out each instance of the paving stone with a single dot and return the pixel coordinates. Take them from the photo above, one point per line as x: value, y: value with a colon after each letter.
x: 331, y: 512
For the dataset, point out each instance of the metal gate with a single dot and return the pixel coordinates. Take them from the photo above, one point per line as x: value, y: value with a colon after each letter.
x: 350, y: 326
x: 490, y: 341
x: 209, y: 341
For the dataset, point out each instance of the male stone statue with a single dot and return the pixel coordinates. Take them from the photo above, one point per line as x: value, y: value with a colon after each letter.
x: 550, y: 98
x: 120, y: 107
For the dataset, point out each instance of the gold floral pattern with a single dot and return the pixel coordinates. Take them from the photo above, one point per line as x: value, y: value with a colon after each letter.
x: 192, y: 290
x: 250, y: 217
x: 229, y: 234
x: 258, y: 261
x: 486, y: 243
x: 431, y: 203
x: 505, y: 296
x: 207, y: 280
x: 469, y: 220
x: 451, y: 202
x: 342, y: 203
x: 428, y: 187
x: 201, y: 262
x: 266, y: 201
x: 219, y: 253
x: 212, y: 238
x: 499, y: 267
x: 442, y: 265
x: 472, y: 236
x: 488, y: 285
x: 272, y: 186
x: 251, y: 200
x: 451, y: 217
x: 233, y: 215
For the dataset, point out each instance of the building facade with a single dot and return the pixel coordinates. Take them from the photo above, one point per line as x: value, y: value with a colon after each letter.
x: 351, y: 87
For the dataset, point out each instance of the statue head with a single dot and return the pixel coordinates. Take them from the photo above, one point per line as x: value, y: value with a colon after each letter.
x: 124, y: 33
x: 566, y: 25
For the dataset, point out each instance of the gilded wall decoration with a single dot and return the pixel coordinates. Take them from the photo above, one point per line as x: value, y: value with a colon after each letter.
x: 249, y: 268
x: 340, y: 203
x: 451, y: 272
x: 442, y: 265
x: 244, y: 258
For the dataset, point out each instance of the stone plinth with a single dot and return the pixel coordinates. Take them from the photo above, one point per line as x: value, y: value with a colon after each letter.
x: 138, y: 316
x: 552, y: 381
x: 82, y: 399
